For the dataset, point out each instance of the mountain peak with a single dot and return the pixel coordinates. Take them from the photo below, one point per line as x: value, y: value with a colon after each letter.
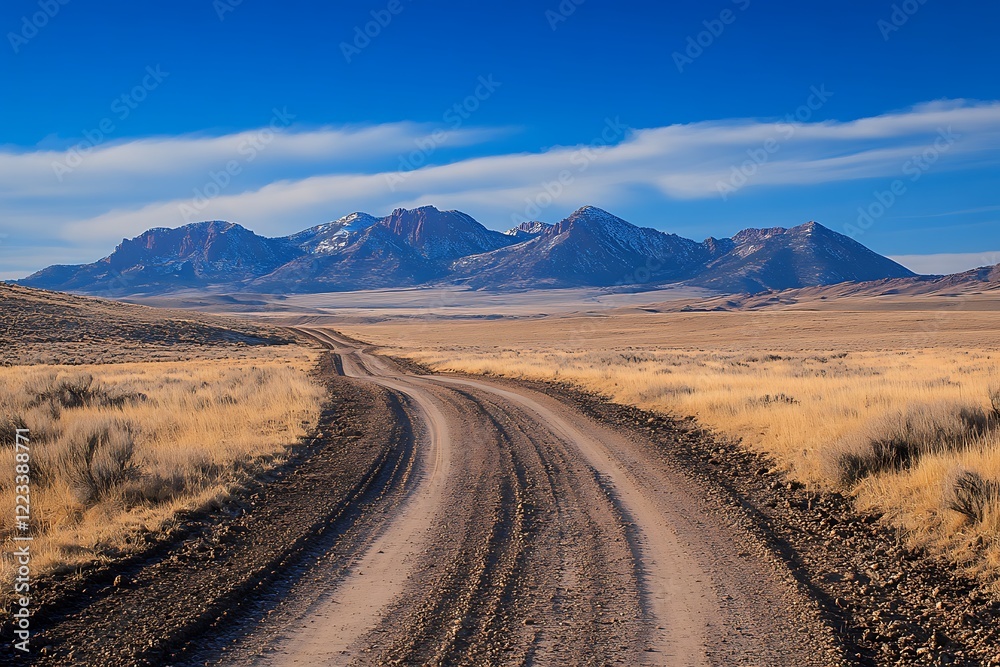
x: 442, y: 235
x: 330, y: 236
x: 357, y: 215
x: 592, y: 212
x: 210, y: 226
x: 595, y: 219
x: 812, y: 227
x: 427, y: 208
x: 809, y: 254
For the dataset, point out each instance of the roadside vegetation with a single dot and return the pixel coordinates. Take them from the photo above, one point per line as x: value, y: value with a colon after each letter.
x: 913, y: 434
x: 118, y: 449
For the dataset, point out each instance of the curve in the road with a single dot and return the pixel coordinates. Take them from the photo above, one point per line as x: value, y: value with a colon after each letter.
x: 536, y: 536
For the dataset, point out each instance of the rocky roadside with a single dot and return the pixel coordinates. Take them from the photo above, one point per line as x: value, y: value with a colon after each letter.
x: 155, y: 607
x: 887, y: 604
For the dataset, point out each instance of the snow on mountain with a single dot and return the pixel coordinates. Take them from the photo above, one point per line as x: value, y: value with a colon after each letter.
x: 528, y: 230
x: 407, y: 247
x: 590, y: 247
x: 331, y: 236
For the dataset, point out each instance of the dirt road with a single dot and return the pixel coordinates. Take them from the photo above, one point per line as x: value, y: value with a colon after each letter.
x: 530, y: 534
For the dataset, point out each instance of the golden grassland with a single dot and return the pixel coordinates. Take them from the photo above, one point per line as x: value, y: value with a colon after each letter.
x: 894, y: 407
x: 118, y: 449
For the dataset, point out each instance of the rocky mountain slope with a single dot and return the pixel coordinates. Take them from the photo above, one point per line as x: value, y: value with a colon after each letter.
x: 778, y: 258
x: 201, y: 254
x: 590, y: 247
x: 407, y: 247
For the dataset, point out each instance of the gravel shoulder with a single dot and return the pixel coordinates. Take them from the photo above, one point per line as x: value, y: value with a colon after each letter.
x: 884, y: 603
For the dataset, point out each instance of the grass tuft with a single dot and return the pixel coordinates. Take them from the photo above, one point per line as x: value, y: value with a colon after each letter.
x: 972, y: 496
x: 896, y: 442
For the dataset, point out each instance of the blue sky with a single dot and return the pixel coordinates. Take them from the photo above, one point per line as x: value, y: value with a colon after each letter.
x: 878, y: 119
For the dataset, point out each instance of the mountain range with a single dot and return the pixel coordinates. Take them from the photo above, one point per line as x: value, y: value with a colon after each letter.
x: 425, y: 246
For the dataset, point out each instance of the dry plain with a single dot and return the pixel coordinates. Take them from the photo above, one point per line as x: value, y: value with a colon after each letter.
x: 812, y: 383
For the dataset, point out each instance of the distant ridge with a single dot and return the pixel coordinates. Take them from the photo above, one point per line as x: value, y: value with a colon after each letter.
x: 425, y: 246
x: 807, y: 255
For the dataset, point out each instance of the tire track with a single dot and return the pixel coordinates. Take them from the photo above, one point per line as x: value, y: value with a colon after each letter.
x: 552, y: 541
x: 556, y: 580
x: 453, y: 521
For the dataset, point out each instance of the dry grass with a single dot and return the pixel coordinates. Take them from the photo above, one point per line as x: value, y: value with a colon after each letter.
x: 117, y: 450
x: 909, y: 428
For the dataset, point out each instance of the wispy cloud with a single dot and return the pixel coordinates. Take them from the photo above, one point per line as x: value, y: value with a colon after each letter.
x: 306, y: 177
x: 162, y: 167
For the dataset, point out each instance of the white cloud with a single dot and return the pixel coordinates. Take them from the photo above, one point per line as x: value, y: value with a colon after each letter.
x: 945, y: 263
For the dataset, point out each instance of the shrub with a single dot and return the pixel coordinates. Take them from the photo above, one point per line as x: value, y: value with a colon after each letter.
x: 72, y: 391
x: 896, y: 441
x: 972, y: 496
x: 8, y: 429
x: 772, y: 399
x: 96, y: 457
x: 77, y: 390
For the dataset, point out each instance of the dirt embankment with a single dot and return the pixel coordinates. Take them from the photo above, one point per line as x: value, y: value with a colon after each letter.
x: 42, y: 327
